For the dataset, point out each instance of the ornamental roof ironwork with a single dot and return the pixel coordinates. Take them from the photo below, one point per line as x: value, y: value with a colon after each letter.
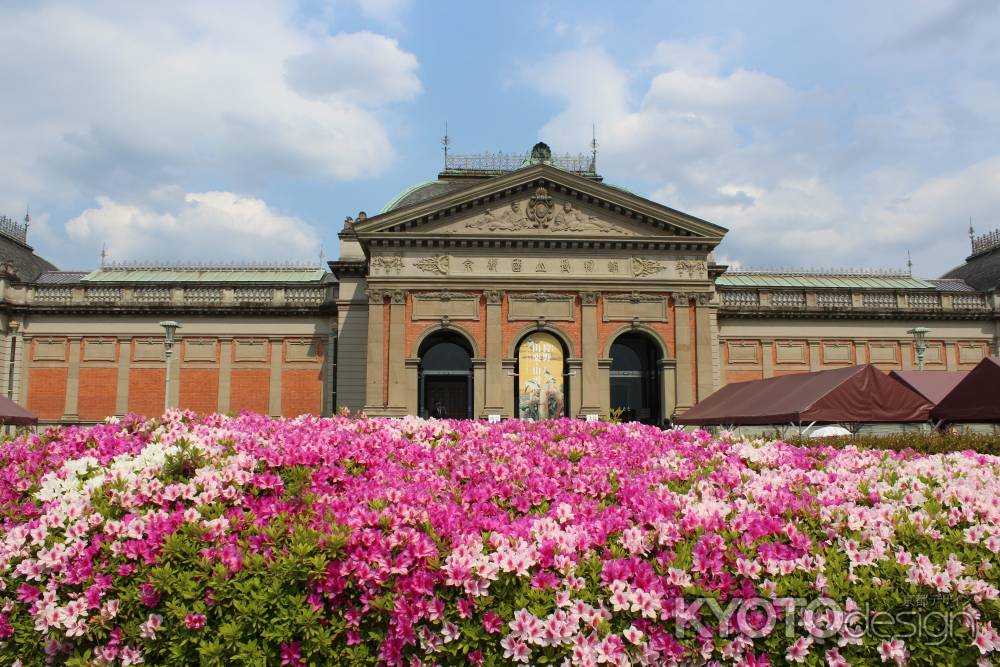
x: 14, y: 229
x: 206, y: 272
x: 985, y: 242
x: 823, y: 279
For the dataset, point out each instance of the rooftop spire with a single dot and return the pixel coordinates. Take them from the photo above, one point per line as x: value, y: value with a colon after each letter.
x: 593, y: 148
x: 909, y: 264
x: 445, y: 142
x: 27, y: 215
x: 972, y: 234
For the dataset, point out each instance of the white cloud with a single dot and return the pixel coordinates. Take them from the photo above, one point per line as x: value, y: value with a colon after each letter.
x: 117, y: 98
x: 797, y: 176
x: 362, y: 67
x: 174, y: 225
x: 388, y: 12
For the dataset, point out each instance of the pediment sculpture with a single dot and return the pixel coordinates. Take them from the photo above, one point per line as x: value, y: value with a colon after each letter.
x: 542, y: 213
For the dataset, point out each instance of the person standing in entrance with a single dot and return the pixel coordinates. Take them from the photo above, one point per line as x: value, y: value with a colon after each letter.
x: 439, y: 411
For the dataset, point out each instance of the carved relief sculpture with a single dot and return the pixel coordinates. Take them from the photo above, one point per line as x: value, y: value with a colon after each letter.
x: 387, y: 264
x: 645, y: 267
x: 436, y: 264
x: 541, y: 213
x: 692, y: 268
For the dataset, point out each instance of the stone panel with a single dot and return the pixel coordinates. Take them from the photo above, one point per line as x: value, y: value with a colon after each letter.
x: 837, y: 352
x: 148, y: 349
x: 933, y: 355
x: 251, y: 350
x: 883, y: 352
x: 49, y: 349
x: 435, y: 305
x: 743, y: 352
x: 304, y: 350
x: 628, y: 307
x: 201, y: 349
x: 971, y: 353
x: 540, y: 305
x: 100, y: 349
x: 791, y: 352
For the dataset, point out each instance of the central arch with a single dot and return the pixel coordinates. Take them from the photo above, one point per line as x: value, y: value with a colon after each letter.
x: 541, y: 378
x: 445, y: 376
x: 635, y: 378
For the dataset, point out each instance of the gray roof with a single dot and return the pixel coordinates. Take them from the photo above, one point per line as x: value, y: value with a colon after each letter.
x: 427, y: 190
x: 27, y: 264
x: 981, y: 271
x: 60, y: 277
x: 951, y: 285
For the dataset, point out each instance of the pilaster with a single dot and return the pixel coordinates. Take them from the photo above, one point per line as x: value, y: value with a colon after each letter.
x: 576, y: 385
x: 494, y: 403
x: 589, y: 376
x: 274, y: 393
x: 668, y: 387
x: 373, y: 374
x: 397, y: 351
x: 767, y: 357
x: 685, y: 359
x: 70, y: 411
x: 478, y: 387
x: 124, y: 366
x: 707, y: 348
x: 225, y: 373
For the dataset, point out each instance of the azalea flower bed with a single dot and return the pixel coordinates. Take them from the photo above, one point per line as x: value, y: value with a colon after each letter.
x: 310, y: 541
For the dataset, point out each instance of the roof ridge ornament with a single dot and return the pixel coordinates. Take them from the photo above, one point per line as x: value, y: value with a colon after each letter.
x: 860, y: 272
x: 179, y: 265
x: 984, y: 242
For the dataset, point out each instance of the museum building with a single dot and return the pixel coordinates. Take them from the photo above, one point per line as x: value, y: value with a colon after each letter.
x: 511, y: 286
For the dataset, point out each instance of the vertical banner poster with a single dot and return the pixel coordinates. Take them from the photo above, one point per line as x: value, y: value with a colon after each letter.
x: 540, y: 377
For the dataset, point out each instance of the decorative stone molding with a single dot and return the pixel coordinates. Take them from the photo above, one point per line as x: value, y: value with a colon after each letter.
x: 494, y: 297
x: 589, y: 298
x: 531, y: 306
x: 398, y: 297
x: 541, y: 213
x: 386, y: 264
x: 635, y: 307
x: 691, y: 268
x: 438, y: 264
x: 646, y: 267
x: 435, y: 305
x: 376, y: 296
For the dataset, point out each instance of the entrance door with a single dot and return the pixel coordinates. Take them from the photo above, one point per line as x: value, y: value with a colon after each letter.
x: 446, y: 396
x: 635, y: 378
x: 445, y: 377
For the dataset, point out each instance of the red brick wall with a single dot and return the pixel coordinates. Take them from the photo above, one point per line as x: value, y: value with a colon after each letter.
x: 47, y: 392
x: 145, y: 390
x: 98, y: 390
x: 199, y: 390
x: 742, y: 376
x: 302, y: 391
x: 250, y: 389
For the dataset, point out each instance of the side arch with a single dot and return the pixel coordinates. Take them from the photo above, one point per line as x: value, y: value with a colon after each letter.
x: 438, y: 330
x: 629, y: 328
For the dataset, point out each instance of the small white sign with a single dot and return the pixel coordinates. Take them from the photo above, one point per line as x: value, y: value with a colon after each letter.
x: 493, y: 419
x: 593, y: 418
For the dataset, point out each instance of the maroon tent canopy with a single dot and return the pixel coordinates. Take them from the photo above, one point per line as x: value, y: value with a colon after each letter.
x: 859, y: 394
x: 932, y: 385
x: 974, y: 399
x: 12, y: 413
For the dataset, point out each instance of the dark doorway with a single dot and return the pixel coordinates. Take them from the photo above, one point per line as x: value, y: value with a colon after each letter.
x: 635, y: 378
x: 445, y: 377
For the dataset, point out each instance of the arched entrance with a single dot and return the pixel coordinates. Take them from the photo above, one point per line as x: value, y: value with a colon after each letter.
x: 635, y: 378
x: 541, y: 381
x: 445, y: 377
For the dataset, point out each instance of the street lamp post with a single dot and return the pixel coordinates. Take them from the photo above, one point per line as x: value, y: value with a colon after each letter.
x: 169, y: 327
x: 919, y: 343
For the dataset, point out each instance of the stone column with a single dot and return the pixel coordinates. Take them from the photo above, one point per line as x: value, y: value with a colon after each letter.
x: 576, y: 385
x: 494, y: 403
x: 412, y: 385
x: 707, y: 347
x: 509, y: 367
x: 70, y: 411
x: 589, y: 377
x: 668, y: 387
x: 951, y: 355
x: 124, y: 366
x: 604, y: 394
x: 373, y: 374
x: 225, y: 372
x: 479, y: 366
x: 685, y: 360
x: 860, y: 354
x: 274, y: 393
x: 397, y: 352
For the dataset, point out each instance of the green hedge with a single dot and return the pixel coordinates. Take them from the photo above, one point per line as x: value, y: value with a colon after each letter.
x: 925, y: 443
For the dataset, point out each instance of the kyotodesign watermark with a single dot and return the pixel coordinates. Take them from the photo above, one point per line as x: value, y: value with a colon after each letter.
x: 821, y: 617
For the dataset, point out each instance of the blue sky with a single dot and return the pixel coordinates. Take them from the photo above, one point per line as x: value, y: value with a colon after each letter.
x: 822, y: 134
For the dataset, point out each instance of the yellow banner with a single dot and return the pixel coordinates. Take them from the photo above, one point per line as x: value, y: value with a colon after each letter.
x: 540, y: 377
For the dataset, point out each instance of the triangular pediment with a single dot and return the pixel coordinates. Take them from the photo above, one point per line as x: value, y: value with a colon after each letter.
x: 540, y: 201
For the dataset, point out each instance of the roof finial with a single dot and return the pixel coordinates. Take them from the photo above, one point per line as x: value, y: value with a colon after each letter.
x: 321, y: 253
x: 445, y: 142
x: 104, y: 254
x: 909, y: 264
x: 593, y: 148
x: 972, y: 233
x: 27, y: 214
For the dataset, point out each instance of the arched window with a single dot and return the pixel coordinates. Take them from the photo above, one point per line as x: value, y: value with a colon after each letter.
x: 541, y: 386
x: 635, y: 378
x: 445, y: 377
